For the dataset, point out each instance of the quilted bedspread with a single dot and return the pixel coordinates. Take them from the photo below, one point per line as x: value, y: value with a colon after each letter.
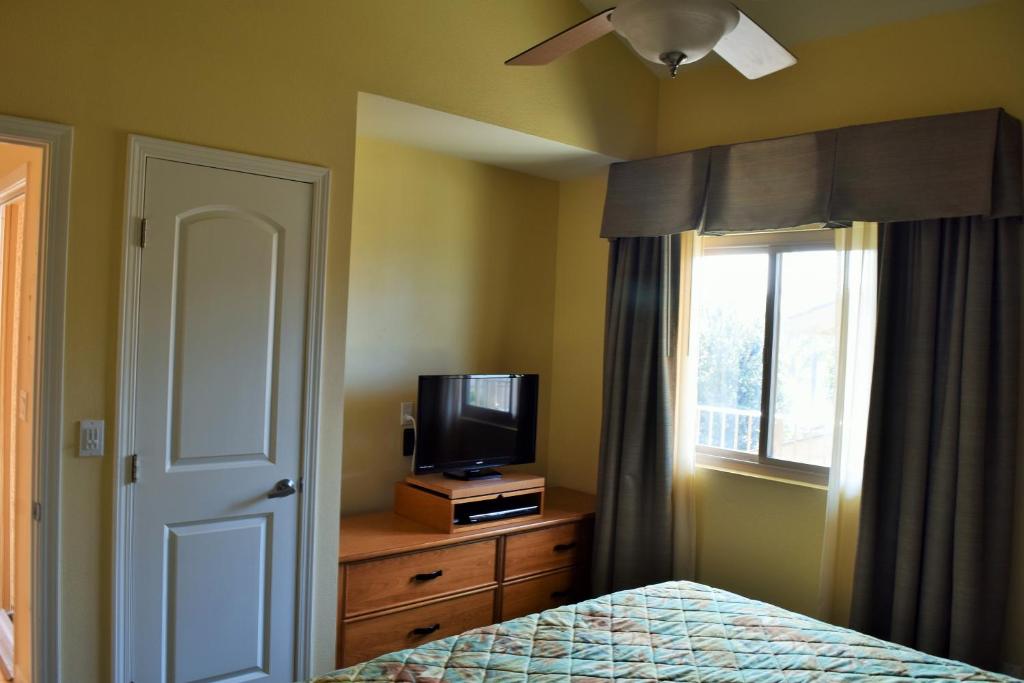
x: 677, y: 631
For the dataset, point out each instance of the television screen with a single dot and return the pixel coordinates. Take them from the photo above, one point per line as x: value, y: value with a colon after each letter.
x: 470, y: 422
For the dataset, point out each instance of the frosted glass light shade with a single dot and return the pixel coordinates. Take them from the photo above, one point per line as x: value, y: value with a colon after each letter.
x: 657, y: 27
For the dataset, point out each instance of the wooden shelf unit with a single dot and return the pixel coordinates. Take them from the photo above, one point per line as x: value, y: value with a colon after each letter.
x: 436, y: 500
x: 402, y: 583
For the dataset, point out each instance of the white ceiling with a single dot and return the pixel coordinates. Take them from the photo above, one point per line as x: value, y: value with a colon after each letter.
x: 793, y: 22
x: 458, y: 136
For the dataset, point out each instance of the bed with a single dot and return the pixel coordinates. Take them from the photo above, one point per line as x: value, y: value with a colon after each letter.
x: 676, y: 631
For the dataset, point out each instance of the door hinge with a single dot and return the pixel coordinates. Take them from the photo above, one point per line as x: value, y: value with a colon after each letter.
x: 134, y: 471
x: 143, y: 226
x: 37, y: 511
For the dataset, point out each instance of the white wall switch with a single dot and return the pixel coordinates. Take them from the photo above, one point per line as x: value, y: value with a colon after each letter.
x: 90, y: 438
x: 408, y: 418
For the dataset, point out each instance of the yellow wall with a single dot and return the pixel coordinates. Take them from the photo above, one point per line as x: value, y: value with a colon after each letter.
x: 890, y: 72
x: 760, y: 538
x: 581, y: 274
x: 277, y: 79
x: 457, y: 276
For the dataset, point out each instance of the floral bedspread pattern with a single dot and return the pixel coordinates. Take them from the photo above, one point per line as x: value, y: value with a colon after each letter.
x: 677, y: 631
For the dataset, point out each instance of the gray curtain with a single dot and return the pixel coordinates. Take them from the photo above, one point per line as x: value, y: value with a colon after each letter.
x: 933, y: 560
x: 633, y: 534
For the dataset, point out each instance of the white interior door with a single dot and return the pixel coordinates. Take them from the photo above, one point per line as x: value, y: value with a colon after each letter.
x: 219, y: 397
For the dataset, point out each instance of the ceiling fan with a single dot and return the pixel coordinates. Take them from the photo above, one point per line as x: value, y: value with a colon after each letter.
x: 673, y: 33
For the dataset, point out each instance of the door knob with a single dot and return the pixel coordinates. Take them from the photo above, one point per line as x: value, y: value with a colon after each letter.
x: 282, y: 489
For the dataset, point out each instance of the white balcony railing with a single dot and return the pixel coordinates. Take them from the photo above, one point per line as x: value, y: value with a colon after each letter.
x: 733, y: 429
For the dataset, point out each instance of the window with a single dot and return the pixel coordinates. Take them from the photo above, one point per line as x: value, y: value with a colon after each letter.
x: 730, y: 369
x: 768, y: 336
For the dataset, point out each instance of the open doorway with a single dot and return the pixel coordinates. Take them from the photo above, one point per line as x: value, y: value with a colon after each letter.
x: 21, y: 169
x: 38, y: 152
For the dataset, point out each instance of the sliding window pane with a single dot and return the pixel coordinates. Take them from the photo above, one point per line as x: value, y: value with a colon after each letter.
x: 806, y: 348
x: 731, y: 306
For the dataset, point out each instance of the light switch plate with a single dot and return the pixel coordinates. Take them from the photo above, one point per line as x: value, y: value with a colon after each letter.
x: 90, y: 438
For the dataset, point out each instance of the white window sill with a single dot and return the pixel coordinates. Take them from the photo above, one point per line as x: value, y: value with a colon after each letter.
x: 814, y: 479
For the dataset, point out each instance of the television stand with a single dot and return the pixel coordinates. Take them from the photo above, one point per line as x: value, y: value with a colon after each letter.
x: 473, y: 474
x: 459, y: 505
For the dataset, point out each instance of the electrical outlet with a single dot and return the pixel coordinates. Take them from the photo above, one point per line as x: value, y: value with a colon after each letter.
x: 90, y: 438
x: 408, y: 415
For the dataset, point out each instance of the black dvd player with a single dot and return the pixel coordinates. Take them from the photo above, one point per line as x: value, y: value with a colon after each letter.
x: 494, y: 515
x: 497, y: 509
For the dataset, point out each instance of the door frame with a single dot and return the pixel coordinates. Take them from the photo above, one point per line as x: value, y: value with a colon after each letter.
x: 56, y: 141
x: 141, y: 149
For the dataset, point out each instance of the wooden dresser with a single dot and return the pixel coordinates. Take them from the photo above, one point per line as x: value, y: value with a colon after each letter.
x: 402, y: 584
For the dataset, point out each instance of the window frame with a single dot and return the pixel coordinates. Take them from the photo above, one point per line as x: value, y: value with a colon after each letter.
x: 760, y: 464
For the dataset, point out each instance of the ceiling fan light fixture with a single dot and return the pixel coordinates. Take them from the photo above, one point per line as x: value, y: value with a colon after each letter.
x: 672, y: 60
x: 663, y: 30
x: 673, y: 33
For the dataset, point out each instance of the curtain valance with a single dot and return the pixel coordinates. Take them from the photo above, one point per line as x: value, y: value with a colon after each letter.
x: 966, y: 164
x: 646, y: 196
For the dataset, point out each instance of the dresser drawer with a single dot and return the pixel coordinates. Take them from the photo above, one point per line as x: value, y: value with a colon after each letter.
x: 395, y: 581
x: 373, y: 636
x: 533, y: 552
x: 543, y: 592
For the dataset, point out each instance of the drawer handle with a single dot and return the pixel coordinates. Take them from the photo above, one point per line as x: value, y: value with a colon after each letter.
x: 558, y: 595
x: 562, y: 547
x: 429, y: 576
x: 424, y: 630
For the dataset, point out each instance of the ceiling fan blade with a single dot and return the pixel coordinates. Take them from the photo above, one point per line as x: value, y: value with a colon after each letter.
x: 572, y: 38
x: 751, y: 51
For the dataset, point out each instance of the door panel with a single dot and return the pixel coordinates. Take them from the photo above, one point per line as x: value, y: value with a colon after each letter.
x: 227, y: 558
x: 219, y: 377
x: 225, y: 338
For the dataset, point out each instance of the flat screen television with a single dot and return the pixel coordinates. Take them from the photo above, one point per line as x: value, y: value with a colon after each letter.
x: 468, y: 424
